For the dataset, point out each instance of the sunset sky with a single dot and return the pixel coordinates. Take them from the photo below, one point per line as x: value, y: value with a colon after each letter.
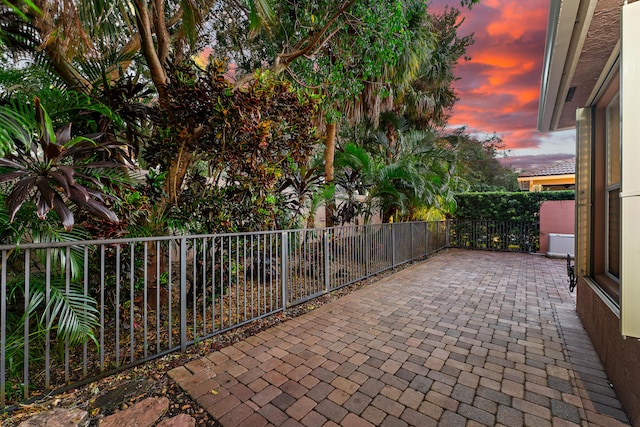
x: 500, y: 86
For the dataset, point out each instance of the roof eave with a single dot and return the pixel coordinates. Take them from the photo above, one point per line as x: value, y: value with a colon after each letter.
x: 565, y: 34
x: 546, y: 177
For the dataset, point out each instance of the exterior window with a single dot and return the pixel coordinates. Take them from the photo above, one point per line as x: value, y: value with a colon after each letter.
x: 613, y: 142
x: 613, y: 187
x: 613, y: 234
x: 605, y: 187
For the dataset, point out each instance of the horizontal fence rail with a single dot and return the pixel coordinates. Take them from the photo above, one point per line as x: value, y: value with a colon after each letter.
x: 71, y: 312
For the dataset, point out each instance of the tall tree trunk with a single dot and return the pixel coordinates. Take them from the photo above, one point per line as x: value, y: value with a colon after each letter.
x: 387, y: 214
x: 154, y: 62
x: 391, y: 133
x: 311, y: 220
x: 329, y: 153
x: 181, y: 163
x: 175, y: 176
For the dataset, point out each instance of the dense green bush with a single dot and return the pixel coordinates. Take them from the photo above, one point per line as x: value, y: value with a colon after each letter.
x: 501, y: 221
x: 518, y: 206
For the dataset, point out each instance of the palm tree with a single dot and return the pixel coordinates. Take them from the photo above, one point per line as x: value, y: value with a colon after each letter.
x: 387, y: 187
x: 413, y: 173
x: 428, y: 96
x: 417, y: 82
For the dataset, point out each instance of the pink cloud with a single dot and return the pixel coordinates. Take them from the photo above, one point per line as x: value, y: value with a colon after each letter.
x: 499, y: 87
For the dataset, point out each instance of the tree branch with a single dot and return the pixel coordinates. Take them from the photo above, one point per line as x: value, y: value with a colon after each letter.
x: 313, y: 41
x: 162, y: 34
x: 148, y: 50
x: 318, y: 41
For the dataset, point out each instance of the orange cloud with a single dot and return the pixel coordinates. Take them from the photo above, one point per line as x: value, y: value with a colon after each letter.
x: 499, y: 87
x: 528, y: 95
x: 504, y: 60
x: 516, y: 18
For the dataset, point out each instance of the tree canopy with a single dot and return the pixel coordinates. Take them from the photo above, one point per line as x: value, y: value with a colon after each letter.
x: 478, y: 162
x: 227, y: 101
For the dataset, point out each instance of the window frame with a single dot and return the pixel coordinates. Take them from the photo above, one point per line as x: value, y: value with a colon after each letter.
x: 609, y: 284
x: 613, y: 180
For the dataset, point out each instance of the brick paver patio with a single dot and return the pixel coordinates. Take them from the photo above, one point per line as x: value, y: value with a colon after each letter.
x: 465, y: 338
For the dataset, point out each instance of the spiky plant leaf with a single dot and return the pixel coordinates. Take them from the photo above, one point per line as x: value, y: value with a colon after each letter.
x: 72, y: 314
x: 50, y: 172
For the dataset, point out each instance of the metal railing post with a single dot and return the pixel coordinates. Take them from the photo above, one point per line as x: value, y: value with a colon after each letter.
x: 327, y: 276
x: 27, y: 303
x: 183, y: 294
x: 366, y: 251
x: 411, y: 239
x: 426, y: 238
x: 283, y: 265
x: 393, y: 245
x: 3, y: 327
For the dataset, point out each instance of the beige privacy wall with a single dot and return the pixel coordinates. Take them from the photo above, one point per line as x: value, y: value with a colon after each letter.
x: 630, y: 153
x: 556, y: 216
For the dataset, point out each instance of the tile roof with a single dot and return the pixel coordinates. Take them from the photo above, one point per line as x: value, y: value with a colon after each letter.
x: 567, y: 167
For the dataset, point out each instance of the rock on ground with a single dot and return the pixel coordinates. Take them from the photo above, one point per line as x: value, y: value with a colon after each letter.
x: 182, y: 420
x: 143, y: 414
x: 58, y: 417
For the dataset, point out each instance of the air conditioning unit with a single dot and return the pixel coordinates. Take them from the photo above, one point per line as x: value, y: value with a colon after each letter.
x: 561, y: 244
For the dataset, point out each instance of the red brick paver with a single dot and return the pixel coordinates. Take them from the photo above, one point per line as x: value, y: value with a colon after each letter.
x: 464, y: 338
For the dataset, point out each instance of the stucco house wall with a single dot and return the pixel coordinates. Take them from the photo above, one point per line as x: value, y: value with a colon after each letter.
x: 556, y: 216
x: 590, y: 81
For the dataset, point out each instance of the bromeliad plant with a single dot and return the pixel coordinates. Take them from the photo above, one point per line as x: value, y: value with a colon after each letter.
x: 54, y: 169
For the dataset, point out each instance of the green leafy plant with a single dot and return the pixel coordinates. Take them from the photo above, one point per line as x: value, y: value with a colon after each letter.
x: 72, y: 319
x: 54, y: 169
x: 237, y: 144
x: 505, y: 206
x: 299, y: 189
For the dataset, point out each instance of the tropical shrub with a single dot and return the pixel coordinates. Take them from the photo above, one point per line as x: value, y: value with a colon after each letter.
x: 53, y: 169
x: 47, y: 178
x: 236, y: 146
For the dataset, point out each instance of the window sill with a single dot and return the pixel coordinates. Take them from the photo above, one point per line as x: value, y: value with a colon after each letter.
x: 609, y: 286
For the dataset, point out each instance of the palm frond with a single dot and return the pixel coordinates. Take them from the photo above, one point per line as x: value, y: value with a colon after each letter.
x: 72, y: 314
x: 261, y: 16
x: 7, y: 230
x: 191, y: 20
x: 61, y: 258
x: 105, y: 21
x: 16, y: 32
x: 356, y: 158
x: 398, y: 122
x: 17, y: 125
x: 64, y: 105
x: 326, y: 193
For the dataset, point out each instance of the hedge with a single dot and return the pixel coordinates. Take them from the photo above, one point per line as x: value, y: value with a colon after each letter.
x: 516, y: 206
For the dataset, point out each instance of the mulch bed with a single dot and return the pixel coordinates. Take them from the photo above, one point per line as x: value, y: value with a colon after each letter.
x: 119, y: 391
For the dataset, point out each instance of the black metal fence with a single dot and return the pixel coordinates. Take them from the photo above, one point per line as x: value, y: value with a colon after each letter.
x: 494, y: 235
x: 70, y: 312
x: 133, y: 300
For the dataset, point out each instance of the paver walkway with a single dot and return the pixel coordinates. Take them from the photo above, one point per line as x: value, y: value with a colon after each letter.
x: 464, y: 338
